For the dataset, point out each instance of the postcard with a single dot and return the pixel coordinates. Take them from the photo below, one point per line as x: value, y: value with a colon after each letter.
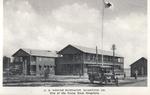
x: 74, y: 47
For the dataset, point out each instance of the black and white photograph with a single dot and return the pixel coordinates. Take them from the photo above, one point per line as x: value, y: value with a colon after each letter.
x: 75, y: 43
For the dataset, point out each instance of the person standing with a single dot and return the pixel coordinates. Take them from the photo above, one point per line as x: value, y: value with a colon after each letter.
x: 46, y: 72
x: 136, y: 73
x: 124, y: 75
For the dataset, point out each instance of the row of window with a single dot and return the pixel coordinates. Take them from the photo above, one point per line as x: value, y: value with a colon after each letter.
x: 33, y: 59
x: 74, y: 57
x: 92, y: 57
x: 18, y: 59
x: 78, y: 57
x: 45, y: 66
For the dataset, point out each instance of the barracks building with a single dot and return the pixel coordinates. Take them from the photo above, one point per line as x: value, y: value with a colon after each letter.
x: 33, y: 62
x: 75, y: 60
x: 71, y: 60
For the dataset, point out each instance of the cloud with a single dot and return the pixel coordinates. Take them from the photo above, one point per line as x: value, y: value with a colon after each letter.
x: 72, y: 24
x: 76, y: 13
x: 129, y: 34
x: 23, y: 27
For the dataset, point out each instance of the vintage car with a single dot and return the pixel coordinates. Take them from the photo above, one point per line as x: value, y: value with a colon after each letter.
x: 102, y: 74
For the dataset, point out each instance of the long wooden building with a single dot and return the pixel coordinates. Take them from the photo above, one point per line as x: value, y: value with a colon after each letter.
x: 33, y: 62
x: 75, y: 60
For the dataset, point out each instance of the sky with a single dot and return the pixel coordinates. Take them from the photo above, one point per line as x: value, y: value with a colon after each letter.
x: 53, y: 24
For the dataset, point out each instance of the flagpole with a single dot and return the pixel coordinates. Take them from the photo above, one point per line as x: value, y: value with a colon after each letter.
x: 102, y: 29
x: 104, y: 5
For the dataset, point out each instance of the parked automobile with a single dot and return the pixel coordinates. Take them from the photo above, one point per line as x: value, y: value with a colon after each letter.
x: 102, y: 74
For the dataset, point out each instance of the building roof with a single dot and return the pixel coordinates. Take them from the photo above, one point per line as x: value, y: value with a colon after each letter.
x: 142, y: 58
x: 92, y: 51
x: 35, y: 52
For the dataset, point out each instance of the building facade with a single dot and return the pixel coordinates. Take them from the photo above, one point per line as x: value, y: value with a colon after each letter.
x: 6, y: 65
x: 6, y: 62
x: 34, y: 62
x: 139, y: 66
x: 75, y: 60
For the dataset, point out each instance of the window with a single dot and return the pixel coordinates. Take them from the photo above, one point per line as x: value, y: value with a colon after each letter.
x: 34, y: 58
x: 40, y: 67
x: 77, y: 57
x: 99, y: 58
x: 73, y: 58
x: 105, y: 58
x: 33, y: 67
x: 21, y: 59
x: 120, y: 59
x: 88, y: 56
x: 93, y: 57
x: 40, y: 59
x: 69, y: 57
x: 16, y: 59
x: 109, y: 58
x: 66, y: 56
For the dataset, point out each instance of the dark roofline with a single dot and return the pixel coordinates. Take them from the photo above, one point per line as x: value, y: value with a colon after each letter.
x: 23, y: 49
x: 74, y: 46
x: 138, y: 60
x: 68, y: 46
x: 18, y: 51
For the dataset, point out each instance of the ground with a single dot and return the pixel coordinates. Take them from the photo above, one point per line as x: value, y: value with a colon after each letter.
x: 69, y: 81
x: 136, y: 84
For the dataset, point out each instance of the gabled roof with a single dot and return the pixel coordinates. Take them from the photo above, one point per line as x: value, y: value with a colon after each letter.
x: 142, y: 58
x: 91, y: 50
x: 35, y: 52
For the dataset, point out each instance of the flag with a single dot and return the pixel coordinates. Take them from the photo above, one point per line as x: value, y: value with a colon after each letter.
x: 107, y: 4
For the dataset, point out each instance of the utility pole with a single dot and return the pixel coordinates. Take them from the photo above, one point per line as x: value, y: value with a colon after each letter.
x: 8, y: 63
x: 96, y: 55
x: 113, y: 48
x: 29, y: 65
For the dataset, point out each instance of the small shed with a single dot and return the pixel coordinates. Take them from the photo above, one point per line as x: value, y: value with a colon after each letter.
x: 139, y: 66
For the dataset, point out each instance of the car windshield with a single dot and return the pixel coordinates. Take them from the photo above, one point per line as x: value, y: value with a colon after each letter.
x: 99, y: 69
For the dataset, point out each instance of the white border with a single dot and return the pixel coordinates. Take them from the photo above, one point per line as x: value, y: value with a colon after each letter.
x: 39, y: 90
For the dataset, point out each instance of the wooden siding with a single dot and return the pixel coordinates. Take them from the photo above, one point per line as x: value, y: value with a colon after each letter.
x: 42, y: 62
x: 69, y: 60
x: 31, y: 64
x: 140, y: 66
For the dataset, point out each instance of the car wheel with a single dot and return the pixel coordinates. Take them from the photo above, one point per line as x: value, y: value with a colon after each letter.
x: 91, y: 80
